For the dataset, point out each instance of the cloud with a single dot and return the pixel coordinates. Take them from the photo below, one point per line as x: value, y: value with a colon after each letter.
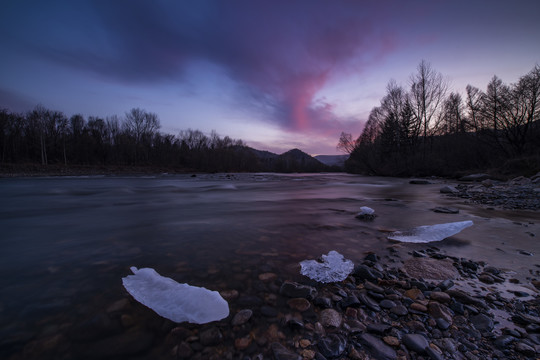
x: 281, y: 53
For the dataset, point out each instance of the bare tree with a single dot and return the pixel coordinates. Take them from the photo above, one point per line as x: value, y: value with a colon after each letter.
x: 141, y: 124
x: 346, y: 143
x: 428, y: 90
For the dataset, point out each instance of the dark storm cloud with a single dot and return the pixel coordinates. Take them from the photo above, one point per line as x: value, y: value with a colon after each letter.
x: 280, y: 52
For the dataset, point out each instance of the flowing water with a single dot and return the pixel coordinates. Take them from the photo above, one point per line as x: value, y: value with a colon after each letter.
x: 66, y: 243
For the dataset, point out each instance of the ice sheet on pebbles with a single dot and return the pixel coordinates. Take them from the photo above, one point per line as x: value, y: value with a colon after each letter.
x: 175, y: 301
x: 333, y: 268
x: 430, y: 233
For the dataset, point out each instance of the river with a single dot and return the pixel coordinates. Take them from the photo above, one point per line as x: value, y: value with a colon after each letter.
x: 66, y: 242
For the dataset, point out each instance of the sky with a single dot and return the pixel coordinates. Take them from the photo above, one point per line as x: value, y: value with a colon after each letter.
x: 278, y: 74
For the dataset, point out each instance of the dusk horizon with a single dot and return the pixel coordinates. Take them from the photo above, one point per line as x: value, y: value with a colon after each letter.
x: 276, y: 75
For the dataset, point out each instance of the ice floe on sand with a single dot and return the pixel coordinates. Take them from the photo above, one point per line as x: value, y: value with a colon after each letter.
x: 175, y: 301
x: 430, y: 233
x: 333, y: 268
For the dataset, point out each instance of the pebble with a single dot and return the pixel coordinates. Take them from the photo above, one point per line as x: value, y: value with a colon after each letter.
x: 211, y: 336
x: 399, y: 310
x: 267, y: 277
x: 377, y: 347
x: 299, y: 304
x: 415, y: 342
x: 332, y: 346
x: 282, y: 353
x: 392, y: 341
x: 418, y: 307
x: 439, y: 296
x: 296, y: 290
x: 241, y: 317
x: 330, y: 318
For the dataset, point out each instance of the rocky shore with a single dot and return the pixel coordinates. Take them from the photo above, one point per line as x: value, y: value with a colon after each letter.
x: 519, y: 193
x: 427, y: 305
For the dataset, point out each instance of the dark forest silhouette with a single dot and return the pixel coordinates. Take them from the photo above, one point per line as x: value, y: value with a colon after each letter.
x: 427, y: 130
x: 50, y: 139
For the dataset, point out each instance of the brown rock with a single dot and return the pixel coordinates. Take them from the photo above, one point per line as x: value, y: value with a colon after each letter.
x: 242, y: 343
x: 330, y: 318
x: 428, y: 268
x: 229, y: 294
x: 267, y: 277
x: 414, y: 294
x: 437, y: 310
x: 391, y: 340
x: 441, y: 297
x: 304, y: 343
x: 308, y: 354
x: 184, y: 351
x: 418, y: 307
x: 241, y: 317
x: 299, y: 304
x: 118, y: 306
x: 351, y: 312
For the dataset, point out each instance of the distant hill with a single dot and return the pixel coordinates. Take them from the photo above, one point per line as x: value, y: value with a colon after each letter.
x: 333, y: 160
x: 294, y: 160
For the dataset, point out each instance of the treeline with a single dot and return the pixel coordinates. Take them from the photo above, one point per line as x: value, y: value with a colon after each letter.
x: 428, y: 130
x: 49, y: 137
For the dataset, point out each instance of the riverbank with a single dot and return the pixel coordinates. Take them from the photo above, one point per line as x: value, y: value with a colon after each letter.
x: 426, y: 305
x: 36, y: 170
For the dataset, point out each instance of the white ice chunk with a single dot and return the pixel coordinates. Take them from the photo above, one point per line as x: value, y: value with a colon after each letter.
x: 364, y: 210
x: 430, y: 233
x: 333, y: 268
x: 175, y: 301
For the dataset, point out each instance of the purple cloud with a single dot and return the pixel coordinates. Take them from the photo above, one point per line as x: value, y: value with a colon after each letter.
x: 281, y: 52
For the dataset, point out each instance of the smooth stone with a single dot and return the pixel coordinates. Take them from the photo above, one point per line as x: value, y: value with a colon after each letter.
x: 368, y: 285
x: 448, y: 189
x: 414, y: 294
x: 482, y: 322
x: 428, y: 268
x: 399, y: 310
x: 445, y: 285
x: 323, y: 302
x: 437, y: 310
x: 387, y: 304
x: 379, y: 329
x: 446, y: 210
x: 415, y: 342
x: 295, y: 324
x: 434, y: 354
x: 330, y: 318
x: 418, y: 307
x: 241, y: 317
x: 486, y: 279
x: 525, y: 349
x: 211, y: 336
x: 370, y: 303
x: 439, y: 296
x: 282, y: 353
x: 377, y: 347
x: 332, y: 345
x: 366, y: 273
x: 442, y: 324
x: 392, y: 341
x: 296, y: 290
x: 299, y: 304
x: 466, y: 298
x: 350, y: 301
